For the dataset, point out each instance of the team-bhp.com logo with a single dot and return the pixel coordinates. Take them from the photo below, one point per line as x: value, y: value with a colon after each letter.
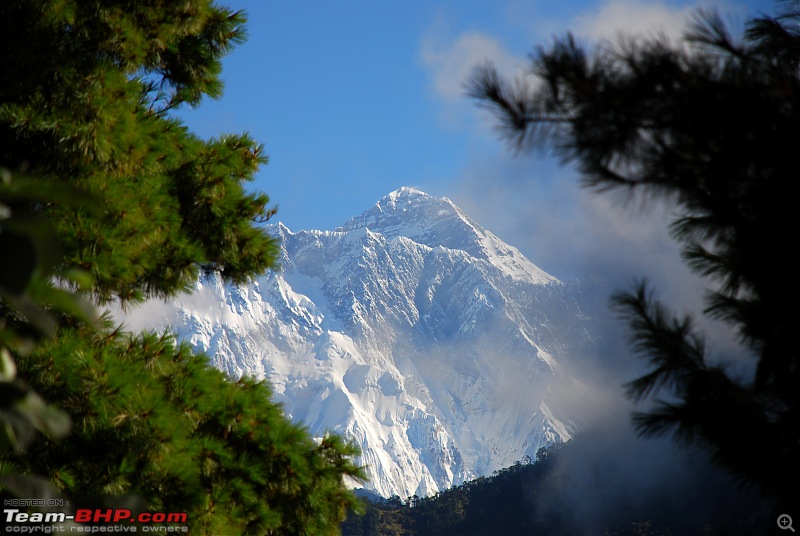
x: 94, y: 521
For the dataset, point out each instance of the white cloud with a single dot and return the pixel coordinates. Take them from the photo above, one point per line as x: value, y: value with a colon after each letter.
x: 450, y: 60
x: 450, y: 64
x: 632, y: 17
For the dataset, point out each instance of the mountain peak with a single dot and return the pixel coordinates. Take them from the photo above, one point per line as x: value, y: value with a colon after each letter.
x: 405, y: 192
x: 438, y: 222
x: 402, y: 210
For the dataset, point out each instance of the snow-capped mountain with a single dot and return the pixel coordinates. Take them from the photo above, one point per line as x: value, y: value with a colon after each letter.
x: 410, y: 330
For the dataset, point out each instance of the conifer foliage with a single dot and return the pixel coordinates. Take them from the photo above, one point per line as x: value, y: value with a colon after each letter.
x: 710, y: 124
x: 87, y: 93
x: 85, y: 98
x: 152, y: 420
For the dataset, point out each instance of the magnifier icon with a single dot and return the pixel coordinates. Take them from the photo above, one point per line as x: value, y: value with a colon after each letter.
x: 785, y: 522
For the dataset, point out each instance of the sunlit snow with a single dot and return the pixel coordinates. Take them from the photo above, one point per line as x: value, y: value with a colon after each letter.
x: 410, y: 330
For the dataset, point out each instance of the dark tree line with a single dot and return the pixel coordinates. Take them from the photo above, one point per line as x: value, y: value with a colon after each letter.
x: 544, y: 498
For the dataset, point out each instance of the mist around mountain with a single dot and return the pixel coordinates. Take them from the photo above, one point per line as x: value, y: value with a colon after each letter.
x: 451, y: 359
x: 440, y: 350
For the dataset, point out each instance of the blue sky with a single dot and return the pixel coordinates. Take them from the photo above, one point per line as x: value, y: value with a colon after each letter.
x: 355, y: 99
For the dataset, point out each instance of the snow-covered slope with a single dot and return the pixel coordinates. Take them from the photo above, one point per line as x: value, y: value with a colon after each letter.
x: 410, y: 330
